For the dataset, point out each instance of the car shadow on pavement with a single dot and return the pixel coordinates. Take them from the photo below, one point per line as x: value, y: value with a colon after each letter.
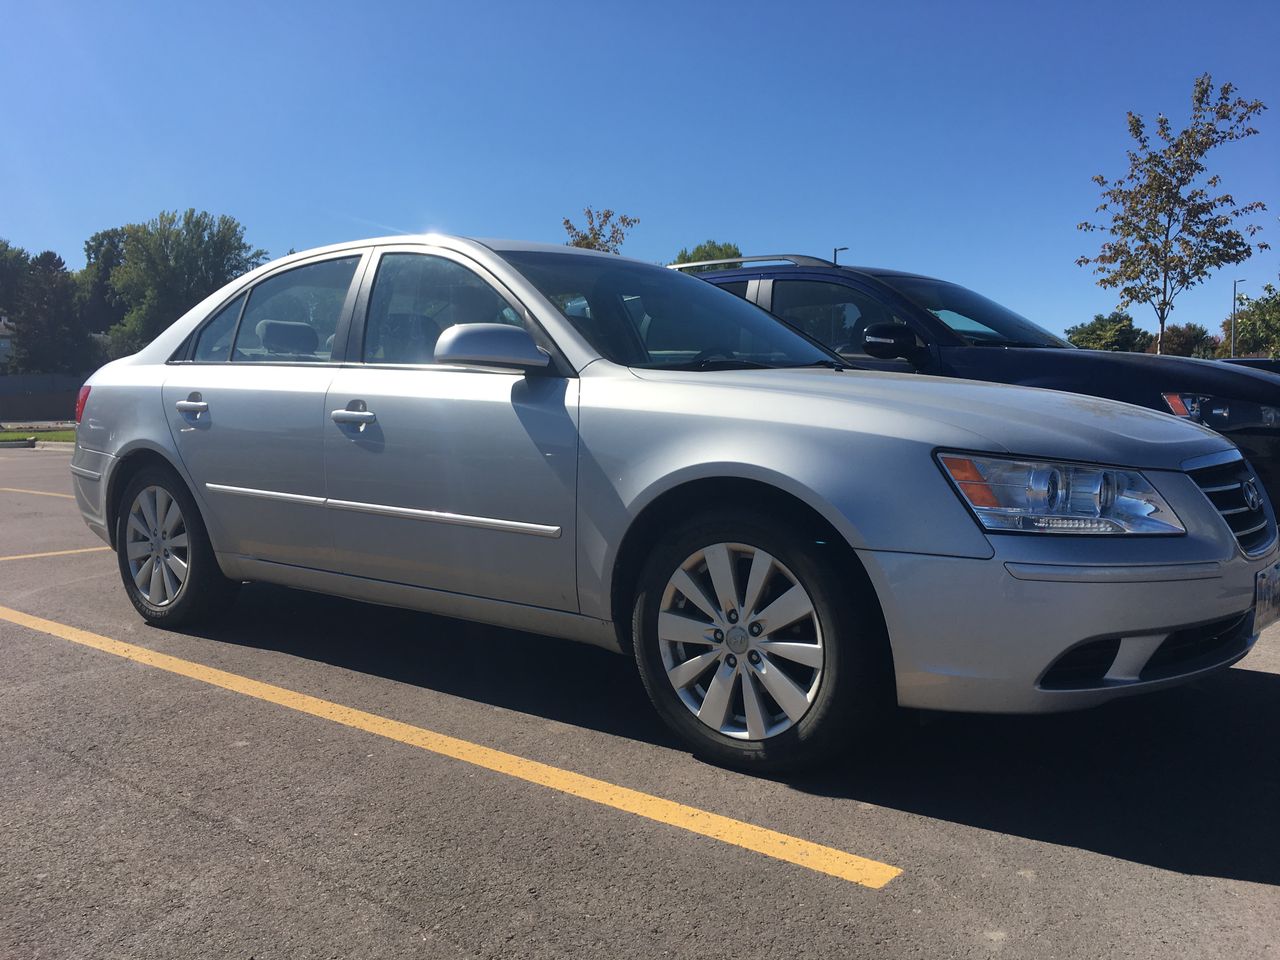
x: 556, y: 679
x: 1185, y: 780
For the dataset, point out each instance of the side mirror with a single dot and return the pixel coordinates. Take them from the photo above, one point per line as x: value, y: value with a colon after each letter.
x: 491, y: 345
x: 889, y: 341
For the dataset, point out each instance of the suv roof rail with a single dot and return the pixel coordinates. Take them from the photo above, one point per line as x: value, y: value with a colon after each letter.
x: 799, y: 259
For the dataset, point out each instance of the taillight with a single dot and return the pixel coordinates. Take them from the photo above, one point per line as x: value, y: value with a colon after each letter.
x: 81, y: 399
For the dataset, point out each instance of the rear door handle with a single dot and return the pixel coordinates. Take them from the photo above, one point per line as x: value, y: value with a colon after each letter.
x: 192, y: 406
x: 353, y: 416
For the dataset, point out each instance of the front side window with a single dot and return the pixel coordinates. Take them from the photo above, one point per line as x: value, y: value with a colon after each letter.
x: 293, y: 316
x: 645, y: 316
x: 416, y: 297
x: 834, y: 313
x: 213, y: 345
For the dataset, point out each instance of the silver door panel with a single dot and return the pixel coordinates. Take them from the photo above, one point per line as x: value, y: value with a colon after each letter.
x: 464, y: 482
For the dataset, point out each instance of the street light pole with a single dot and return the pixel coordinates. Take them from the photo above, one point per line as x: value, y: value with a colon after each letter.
x: 1233, y: 315
x: 835, y: 254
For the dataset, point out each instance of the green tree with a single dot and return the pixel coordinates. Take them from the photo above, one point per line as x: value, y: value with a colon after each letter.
x: 1257, y: 326
x: 1188, y: 340
x: 1168, y: 224
x: 602, y: 231
x: 1114, y: 331
x: 708, y: 250
x: 170, y: 264
x: 13, y: 274
x: 48, y: 336
x: 100, y: 306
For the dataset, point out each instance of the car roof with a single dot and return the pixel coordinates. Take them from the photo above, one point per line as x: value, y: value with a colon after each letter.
x: 878, y: 272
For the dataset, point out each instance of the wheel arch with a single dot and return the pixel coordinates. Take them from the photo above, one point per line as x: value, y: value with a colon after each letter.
x: 127, y: 466
x: 697, y: 495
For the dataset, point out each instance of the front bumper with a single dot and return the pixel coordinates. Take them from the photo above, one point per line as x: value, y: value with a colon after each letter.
x: 1061, y: 623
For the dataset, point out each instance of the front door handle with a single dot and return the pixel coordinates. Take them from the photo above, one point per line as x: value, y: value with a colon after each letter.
x: 192, y: 406
x: 353, y: 416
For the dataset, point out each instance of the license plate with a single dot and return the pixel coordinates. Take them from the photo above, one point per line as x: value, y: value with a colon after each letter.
x: 1267, y: 610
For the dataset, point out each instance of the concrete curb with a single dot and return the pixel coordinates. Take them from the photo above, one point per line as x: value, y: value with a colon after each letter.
x: 14, y: 444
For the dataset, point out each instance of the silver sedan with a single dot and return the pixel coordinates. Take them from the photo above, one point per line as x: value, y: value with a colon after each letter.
x: 580, y: 445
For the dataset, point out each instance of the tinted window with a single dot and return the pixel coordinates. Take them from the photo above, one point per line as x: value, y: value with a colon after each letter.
x: 979, y: 320
x: 214, y: 341
x: 293, y: 316
x: 834, y: 313
x: 416, y: 297
x: 738, y: 288
x: 647, y: 316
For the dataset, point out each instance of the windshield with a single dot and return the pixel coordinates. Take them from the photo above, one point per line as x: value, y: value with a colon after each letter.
x: 980, y: 321
x: 647, y: 316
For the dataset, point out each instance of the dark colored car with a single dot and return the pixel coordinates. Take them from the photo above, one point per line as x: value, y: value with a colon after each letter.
x: 890, y: 320
x: 1257, y: 363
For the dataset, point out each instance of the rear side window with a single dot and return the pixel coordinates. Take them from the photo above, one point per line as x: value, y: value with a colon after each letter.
x: 738, y: 288
x: 831, y: 312
x: 293, y: 316
x: 213, y: 345
x: 416, y: 297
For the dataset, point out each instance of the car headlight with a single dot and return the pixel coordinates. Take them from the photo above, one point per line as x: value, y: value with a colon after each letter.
x: 1044, y: 496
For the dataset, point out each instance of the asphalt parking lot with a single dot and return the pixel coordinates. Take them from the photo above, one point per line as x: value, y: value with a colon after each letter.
x: 318, y: 777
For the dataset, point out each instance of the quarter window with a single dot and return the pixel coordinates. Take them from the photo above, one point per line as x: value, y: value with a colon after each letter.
x: 293, y: 316
x: 214, y: 342
x: 416, y: 297
x: 831, y: 312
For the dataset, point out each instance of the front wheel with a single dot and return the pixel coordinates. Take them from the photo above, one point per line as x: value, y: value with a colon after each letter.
x: 757, y: 646
x: 166, y: 562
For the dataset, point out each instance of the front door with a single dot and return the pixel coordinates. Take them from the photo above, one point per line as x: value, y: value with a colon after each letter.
x: 450, y: 478
x: 836, y: 314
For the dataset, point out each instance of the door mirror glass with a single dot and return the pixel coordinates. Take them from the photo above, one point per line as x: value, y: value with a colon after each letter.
x: 490, y: 345
x: 889, y: 341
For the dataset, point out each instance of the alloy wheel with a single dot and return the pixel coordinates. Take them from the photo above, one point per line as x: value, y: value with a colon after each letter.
x: 740, y: 641
x: 156, y: 546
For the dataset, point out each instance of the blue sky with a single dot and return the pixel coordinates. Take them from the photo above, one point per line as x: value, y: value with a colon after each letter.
x: 956, y: 139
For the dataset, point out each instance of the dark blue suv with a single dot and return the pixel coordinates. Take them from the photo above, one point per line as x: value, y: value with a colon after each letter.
x: 890, y: 320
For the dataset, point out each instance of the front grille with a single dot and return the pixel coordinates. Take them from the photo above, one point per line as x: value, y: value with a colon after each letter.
x: 1224, y: 485
x: 1194, y: 648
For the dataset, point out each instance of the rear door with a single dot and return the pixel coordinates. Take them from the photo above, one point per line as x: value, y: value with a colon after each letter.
x: 246, y: 410
x: 459, y: 478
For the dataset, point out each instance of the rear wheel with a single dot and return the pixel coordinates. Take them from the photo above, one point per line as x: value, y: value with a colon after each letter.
x: 755, y: 644
x: 166, y: 562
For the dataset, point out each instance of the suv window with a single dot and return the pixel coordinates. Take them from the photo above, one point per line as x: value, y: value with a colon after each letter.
x: 214, y: 342
x: 831, y: 312
x: 416, y: 297
x: 292, y: 316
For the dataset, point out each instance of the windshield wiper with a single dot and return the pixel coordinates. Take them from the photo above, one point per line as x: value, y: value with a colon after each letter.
x: 714, y: 363
x: 1013, y: 343
x: 830, y: 364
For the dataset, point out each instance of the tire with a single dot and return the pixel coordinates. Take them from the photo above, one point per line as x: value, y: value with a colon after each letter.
x: 837, y: 654
x: 160, y: 592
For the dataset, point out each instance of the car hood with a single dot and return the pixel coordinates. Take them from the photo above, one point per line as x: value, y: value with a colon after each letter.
x: 987, y: 416
x: 1211, y: 377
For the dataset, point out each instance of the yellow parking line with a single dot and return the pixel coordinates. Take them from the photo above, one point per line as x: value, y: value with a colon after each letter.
x: 53, y: 553
x: 813, y: 856
x: 38, y: 493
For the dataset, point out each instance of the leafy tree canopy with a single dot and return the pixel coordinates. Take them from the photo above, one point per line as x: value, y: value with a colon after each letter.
x: 13, y: 274
x: 707, y: 250
x: 100, y: 306
x: 602, y: 231
x: 1188, y: 340
x: 1257, y: 326
x: 1168, y: 222
x: 47, y: 334
x: 1114, y: 331
x: 170, y: 264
